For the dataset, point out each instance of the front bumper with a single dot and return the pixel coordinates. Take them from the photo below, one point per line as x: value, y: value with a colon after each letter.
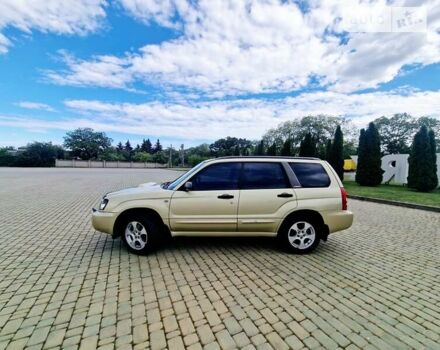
x: 103, y: 221
x: 338, y: 220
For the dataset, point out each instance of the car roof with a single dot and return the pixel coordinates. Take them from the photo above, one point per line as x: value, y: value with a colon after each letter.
x: 263, y: 159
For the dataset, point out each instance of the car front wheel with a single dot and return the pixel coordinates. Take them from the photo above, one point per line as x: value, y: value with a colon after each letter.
x: 300, y: 235
x: 140, y: 234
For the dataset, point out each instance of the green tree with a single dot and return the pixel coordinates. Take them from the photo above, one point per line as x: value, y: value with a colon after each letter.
x: 321, y: 151
x: 157, y: 147
x: 369, y: 171
x: 422, y: 172
x: 195, y: 159
x: 272, y: 150
x: 321, y: 127
x: 237, y: 151
x: 119, y: 147
x: 259, y: 150
x: 200, y: 150
x: 433, y: 124
x: 396, y: 132
x: 38, y: 154
x: 432, y: 143
x: 361, y: 171
x: 287, y: 148
x: 86, y: 143
x: 128, y: 150
x: 6, y: 158
x: 112, y: 154
x: 350, y: 149
x: 328, y: 149
x: 307, y: 147
x: 160, y: 157
x: 146, y: 146
x: 336, y: 158
x: 144, y: 157
x: 230, y: 146
x: 171, y: 156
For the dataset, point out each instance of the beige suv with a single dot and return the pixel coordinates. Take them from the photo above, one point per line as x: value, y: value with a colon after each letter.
x: 298, y: 200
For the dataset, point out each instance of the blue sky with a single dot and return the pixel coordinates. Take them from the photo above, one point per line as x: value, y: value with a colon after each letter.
x: 194, y: 71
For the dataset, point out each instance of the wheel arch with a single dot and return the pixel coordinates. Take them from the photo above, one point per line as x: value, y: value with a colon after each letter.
x: 310, y: 214
x: 147, y: 212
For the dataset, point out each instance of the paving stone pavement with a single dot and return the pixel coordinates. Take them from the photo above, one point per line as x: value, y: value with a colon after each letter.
x: 63, y: 285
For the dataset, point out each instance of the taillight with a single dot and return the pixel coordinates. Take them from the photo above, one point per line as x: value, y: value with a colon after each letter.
x: 344, y: 198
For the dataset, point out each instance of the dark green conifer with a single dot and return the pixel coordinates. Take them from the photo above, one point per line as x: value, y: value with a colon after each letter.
x: 369, y: 170
x: 422, y: 172
x: 272, y: 150
x: 336, y: 158
x: 307, y: 147
x: 287, y: 148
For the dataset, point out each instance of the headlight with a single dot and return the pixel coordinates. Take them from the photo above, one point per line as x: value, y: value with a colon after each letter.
x: 103, y: 204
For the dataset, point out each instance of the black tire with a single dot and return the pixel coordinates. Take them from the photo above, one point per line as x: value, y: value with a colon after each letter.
x: 300, y: 235
x: 140, y: 233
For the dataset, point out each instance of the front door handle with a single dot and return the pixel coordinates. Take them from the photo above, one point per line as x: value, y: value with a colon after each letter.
x: 225, y: 196
x: 285, y: 195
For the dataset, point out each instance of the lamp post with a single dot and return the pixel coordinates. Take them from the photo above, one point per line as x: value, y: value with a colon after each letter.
x: 170, y: 160
x: 182, y: 154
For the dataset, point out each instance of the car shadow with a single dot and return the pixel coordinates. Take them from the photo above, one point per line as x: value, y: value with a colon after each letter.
x: 216, y: 243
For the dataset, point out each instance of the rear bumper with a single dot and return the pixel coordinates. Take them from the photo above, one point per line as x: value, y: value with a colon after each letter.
x: 338, y: 220
x: 103, y: 221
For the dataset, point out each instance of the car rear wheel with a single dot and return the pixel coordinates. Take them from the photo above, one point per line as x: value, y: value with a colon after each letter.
x: 140, y: 234
x: 300, y: 235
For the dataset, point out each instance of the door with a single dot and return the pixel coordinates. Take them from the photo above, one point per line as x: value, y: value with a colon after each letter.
x: 212, y: 203
x: 266, y: 196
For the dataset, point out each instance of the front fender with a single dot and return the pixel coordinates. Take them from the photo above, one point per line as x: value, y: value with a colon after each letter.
x: 160, y: 205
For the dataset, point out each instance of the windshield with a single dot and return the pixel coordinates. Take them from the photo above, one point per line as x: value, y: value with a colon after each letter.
x: 174, y: 184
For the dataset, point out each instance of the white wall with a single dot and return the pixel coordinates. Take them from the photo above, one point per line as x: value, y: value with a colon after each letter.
x: 104, y: 164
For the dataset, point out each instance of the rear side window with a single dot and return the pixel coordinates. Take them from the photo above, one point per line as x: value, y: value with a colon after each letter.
x: 221, y: 176
x: 310, y: 174
x: 263, y: 176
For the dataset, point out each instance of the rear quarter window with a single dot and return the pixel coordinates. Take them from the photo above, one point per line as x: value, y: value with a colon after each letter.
x: 311, y: 174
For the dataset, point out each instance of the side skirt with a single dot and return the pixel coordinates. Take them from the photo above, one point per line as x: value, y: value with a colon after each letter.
x: 222, y: 234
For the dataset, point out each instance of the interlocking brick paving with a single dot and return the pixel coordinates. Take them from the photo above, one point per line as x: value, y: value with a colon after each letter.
x: 63, y: 285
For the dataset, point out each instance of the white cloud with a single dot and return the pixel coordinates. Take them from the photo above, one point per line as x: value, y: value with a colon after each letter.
x: 255, y: 46
x: 4, y: 43
x: 59, y: 17
x: 35, y: 105
x: 227, y: 47
x: 242, y: 118
x: 102, y: 71
x: 251, y: 118
x: 162, y: 11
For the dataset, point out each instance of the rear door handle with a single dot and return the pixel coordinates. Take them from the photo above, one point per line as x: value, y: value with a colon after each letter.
x: 225, y: 196
x: 285, y: 195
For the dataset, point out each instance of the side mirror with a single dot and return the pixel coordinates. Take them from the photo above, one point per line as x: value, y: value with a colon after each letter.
x: 188, y: 186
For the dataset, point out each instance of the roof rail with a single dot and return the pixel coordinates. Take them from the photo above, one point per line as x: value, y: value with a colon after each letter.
x: 267, y: 157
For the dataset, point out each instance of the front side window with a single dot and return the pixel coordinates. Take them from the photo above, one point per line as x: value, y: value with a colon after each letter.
x: 310, y: 174
x: 220, y: 176
x: 263, y: 176
x: 174, y: 184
